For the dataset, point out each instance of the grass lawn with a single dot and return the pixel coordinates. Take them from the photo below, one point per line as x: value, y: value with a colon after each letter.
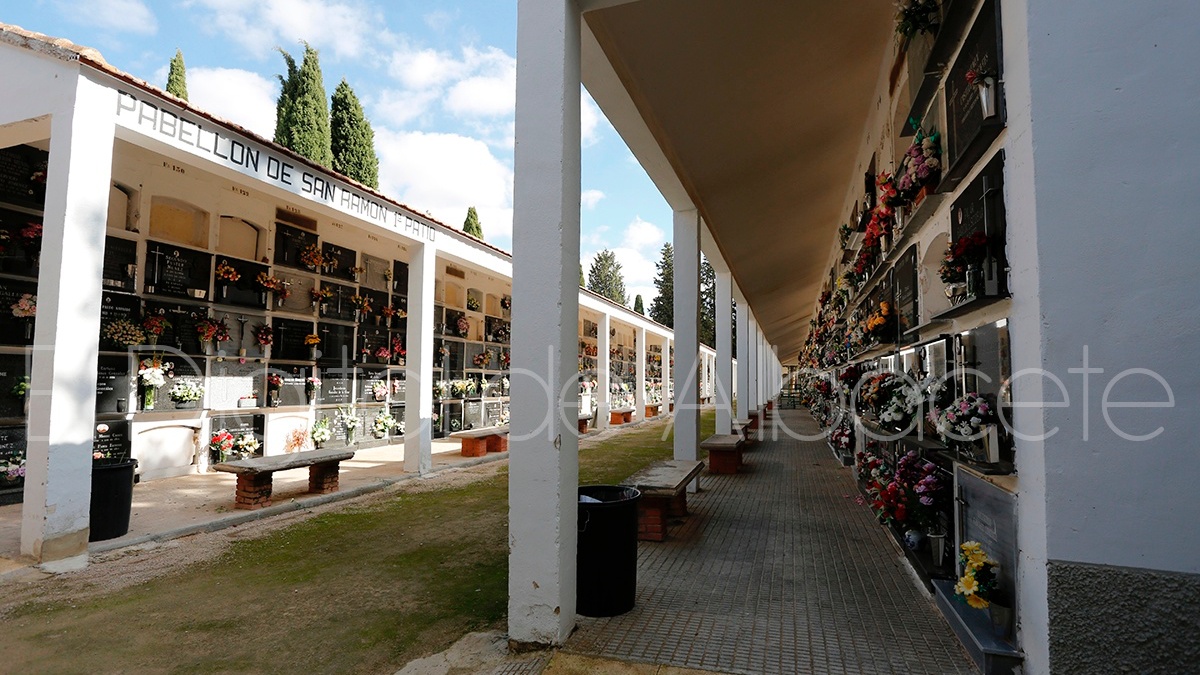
x: 364, y: 589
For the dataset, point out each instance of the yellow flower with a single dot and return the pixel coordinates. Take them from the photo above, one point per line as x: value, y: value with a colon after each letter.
x: 967, y: 585
x: 976, y: 559
x: 977, y: 602
x: 970, y: 547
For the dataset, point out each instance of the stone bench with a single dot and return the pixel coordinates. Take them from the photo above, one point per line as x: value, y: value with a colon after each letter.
x: 724, y: 452
x: 664, y: 494
x: 481, y: 441
x: 652, y: 410
x: 584, y: 418
x: 748, y: 432
x: 620, y: 416
x: 254, y: 475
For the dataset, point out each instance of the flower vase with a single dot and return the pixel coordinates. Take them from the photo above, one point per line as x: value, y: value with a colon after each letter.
x: 210, y: 348
x: 265, y: 350
x: 273, y: 398
x: 937, y: 548
x: 28, y: 330
x: 148, y: 398
x: 185, y: 405
x: 991, y: 444
x: 151, y: 340
x: 312, y: 354
x: 987, y: 96
x: 279, y: 300
x: 913, y: 539
x: 1001, y: 618
x: 309, y: 395
x: 973, y: 285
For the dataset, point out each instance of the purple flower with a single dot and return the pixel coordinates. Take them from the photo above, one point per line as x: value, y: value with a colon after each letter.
x: 927, y: 501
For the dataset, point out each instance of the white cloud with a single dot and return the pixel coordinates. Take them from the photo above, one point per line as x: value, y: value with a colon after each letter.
x: 643, y: 235
x: 590, y: 198
x: 445, y: 174
x: 240, y: 96
x: 126, y: 16
x: 589, y: 120
x: 343, y: 28
x: 400, y: 108
x: 424, y: 68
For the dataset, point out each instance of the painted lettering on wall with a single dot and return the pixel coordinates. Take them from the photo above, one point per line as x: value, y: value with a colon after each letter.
x: 155, y: 121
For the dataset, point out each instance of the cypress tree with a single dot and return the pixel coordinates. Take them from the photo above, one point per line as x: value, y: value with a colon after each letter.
x: 638, y: 306
x: 302, y: 113
x: 708, y: 303
x: 472, y: 227
x: 177, y: 76
x: 352, y: 139
x: 605, y: 278
x: 662, y: 309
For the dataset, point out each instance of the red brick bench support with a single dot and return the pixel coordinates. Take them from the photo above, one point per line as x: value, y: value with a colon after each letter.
x: 479, y: 442
x: 583, y: 423
x: 664, y: 495
x: 255, y: 475
x: 724, y: 453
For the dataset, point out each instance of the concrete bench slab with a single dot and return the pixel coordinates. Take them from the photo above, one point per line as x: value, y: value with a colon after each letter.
x: 254, y: 475
x: 724, y: 452
x: 620, y: 415
x: 664, y: 494
x: 481, y: 441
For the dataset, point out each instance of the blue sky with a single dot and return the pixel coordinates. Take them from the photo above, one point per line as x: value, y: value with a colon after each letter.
x: 436, y: 78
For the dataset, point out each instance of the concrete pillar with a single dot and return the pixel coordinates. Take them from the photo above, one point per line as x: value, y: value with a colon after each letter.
x: 724, y: 363
x: 543, y: 445
x: 687, y: 331
x: 667, y: 373
x: 639, y: 385
x: 753, y: 401
x: 418, y: 395
x: 604, y: 378
x: 743, y: 356
x: 54, y: 518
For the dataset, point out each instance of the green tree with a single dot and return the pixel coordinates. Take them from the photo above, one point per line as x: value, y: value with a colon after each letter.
x: 302, y: 114
x: 351, y: 138
x: 638, y: 306
x: 472, y: 227
x: 662, y: 309
x: 605, y: 278
x: 177, y: 77
x: 582, y: 283
x: 708, y: 302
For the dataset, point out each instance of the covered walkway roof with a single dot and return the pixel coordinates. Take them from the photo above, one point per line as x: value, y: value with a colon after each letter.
x: 753, y: 114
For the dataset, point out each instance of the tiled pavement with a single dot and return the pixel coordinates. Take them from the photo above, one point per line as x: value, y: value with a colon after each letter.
x: 778, y: 570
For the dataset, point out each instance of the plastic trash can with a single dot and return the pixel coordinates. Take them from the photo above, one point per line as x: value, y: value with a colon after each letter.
x: 606, y: 556
x: 112, y: 499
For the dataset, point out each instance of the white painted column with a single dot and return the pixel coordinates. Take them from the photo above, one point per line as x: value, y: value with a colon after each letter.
x: 639, y: 385
x: 753, y: 400
x: 743, y: 356
x: 667, y: 374
x: 687, y: 331
x: 724, y: 363
x: 418, y: 394
x: 55, y: 515
x: 604, y: 378
x: 543, y: 446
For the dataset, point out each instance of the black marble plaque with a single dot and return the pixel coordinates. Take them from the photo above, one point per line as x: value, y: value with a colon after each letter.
x: 473, y: 414
x: 367, y: 379
x: 988, y: 515
x: 23, y: 176
x: 336, y: 388
x: 378, y: 302
x: 120, y: 265
x: 289, y: 243
x: 115, y: 307
x: 13, y: 371
x: 491, y: 412
x: 289, y: 340
x: 22, y: 243
x: 245, y: 292
x: 114, y: 384
x: 339, y: 261
x: 397, y: 410
x: 112, y: 438
x: 338, y: 306
x: 240, y: 425
x: 291, y: 392
x: 177, y: 271
x: 183, y: 369
x: 968, y: 132
x: 980, y: 208
x: 399, y: 385
x: 337, y: 343
x: 400, y: 278
x: 181, y: 334
x: 370, y: 340
x: 15, y: 330
x: 13, y: 439
x: 905, y: 276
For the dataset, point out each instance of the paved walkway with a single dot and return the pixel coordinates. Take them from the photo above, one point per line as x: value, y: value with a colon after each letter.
x: 778, y: 570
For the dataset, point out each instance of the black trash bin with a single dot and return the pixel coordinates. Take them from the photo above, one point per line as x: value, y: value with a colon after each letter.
x: 112, y: 498
x: 606, y: 557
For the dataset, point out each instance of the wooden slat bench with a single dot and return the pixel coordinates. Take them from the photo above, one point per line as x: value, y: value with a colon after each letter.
x: 664, y: 494
x: 584, y: 419
x: 481, y: 441
x: 724, y: 452
x: 620, y: 416
x: 254, y: 475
